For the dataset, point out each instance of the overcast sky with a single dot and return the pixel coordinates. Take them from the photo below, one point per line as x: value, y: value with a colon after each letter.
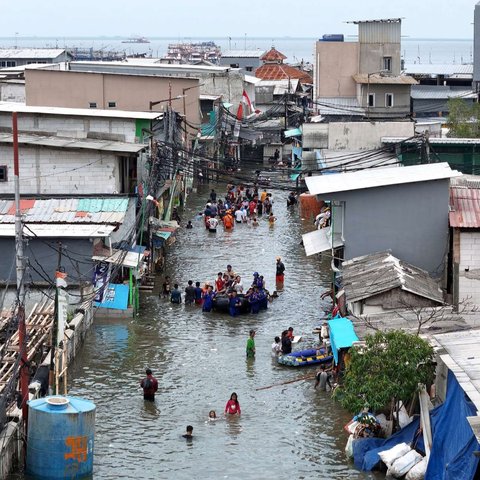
x: 223, y: 18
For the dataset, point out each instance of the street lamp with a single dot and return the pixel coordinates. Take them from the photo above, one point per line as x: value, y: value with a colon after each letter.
x: 381, y: 73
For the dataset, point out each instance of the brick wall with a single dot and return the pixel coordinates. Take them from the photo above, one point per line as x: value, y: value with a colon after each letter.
x: 56, y: 171
x: 469, y: 267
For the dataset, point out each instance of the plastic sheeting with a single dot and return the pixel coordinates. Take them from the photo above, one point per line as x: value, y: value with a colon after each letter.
x: 342, y: 334
x: 453, y: 440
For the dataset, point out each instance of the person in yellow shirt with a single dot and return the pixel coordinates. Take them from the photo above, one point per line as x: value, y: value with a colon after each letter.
x: 263, y: 195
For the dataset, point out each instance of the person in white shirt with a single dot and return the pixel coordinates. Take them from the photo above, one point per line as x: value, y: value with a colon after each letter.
x: 238, y: 285
x: 276, y: 347
x: 212, y: 223
x: 238, y: 216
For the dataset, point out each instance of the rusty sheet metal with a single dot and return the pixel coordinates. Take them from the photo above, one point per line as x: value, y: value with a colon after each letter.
x: 464, y: 207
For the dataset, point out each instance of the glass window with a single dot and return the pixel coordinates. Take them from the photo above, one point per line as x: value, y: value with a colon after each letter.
x: 389, y: 100
x: 3, y: 173
x: 92, y: 105
x: 112, y: 104
x: 371, y: 99
x: 387, y: 64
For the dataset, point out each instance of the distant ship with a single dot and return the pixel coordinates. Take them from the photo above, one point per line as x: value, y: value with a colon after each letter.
x: 193, y: 52
x: 136, y: 40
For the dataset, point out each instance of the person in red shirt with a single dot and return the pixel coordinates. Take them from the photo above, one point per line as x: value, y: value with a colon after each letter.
x: 149, y: 385
x: 233, y: 407
x: 220, y: 283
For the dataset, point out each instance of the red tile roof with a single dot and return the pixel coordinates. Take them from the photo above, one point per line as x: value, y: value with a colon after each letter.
x: 273, y: 71
x: 464, y: 207
x: 273, y: 55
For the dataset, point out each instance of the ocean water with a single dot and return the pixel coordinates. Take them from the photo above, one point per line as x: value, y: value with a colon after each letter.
x: 414, y: 50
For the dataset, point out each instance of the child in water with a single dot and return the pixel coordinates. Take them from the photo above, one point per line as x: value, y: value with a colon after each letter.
x: 212, y: 416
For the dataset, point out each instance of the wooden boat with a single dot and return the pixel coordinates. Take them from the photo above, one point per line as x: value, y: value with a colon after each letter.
x: 221, y: 304
x: 303, y: 358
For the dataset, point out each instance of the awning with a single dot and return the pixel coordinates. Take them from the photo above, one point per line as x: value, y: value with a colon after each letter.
x: 294, y: 177
x: 342, y: 334
x: 293, y: 132
x: 163, y: 234
x: 320, y: 241
x: 121, y: 257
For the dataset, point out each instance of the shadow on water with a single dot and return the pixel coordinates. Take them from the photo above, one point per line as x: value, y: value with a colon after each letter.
x: 284, y: 432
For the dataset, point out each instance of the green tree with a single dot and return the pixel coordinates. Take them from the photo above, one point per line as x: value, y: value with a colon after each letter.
x: 463, y: 119
x: 389, y: 368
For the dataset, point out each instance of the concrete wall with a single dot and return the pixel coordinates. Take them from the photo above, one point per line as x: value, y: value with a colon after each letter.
x: 365, y: 135
x: 242, y: 63
x: 469, y: 267
x: 12, y: 91
x: 410, y: 219
x: 371, y: 57
x: 121, y: 129
x: 401, y: 99
x: 37, y: 249
x: 335, y: 63
x: 86, y: 172
x: 130, y: 92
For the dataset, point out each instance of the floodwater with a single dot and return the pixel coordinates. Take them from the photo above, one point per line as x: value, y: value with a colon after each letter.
x: 284, y: 432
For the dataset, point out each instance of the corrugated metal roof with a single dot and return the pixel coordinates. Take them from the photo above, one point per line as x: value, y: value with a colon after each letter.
x: 438, y: 69
x: 74, y: 143
x: 470, y: 181
x: 320, y: 241
x: 27, y: 53
x: 342, y: 106
x: 84, y: 112
x: 67, y: 210
x: 462, y: 358
x: 243, y: 53
x: 464, y: 207
x: 378, y: 177
x: 373, y: 79
x: 434, y: 140
x: 440, y: 92
x: 280, y: 87
x: 273, y: 55
x: 370, y: 275
x: 59, y: 231
x: 275, y: 71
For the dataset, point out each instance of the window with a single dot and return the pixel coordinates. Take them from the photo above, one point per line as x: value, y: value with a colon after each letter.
x: 3, y: 173
x: 234, y: 65
x: 112, y: 104
x: 387, y: 64
x: 92, y: 105
x: 389, y: 100
x: 371, y: 99
x: 249, y: 68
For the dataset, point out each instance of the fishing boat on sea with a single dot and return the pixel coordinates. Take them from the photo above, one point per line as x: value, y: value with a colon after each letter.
x: 136, y: 39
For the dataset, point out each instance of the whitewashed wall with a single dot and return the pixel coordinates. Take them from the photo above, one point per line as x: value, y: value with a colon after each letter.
x: 469, y: 281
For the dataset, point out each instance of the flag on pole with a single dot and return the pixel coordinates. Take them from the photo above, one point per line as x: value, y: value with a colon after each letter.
x: 60, y: 279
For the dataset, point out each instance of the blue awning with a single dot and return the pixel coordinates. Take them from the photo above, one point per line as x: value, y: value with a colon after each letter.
x: 293, y: 132
x: 342, y: 334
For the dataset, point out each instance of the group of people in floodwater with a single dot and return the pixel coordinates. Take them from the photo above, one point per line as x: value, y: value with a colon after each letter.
x: 240, y: 205
x: 229, y: 285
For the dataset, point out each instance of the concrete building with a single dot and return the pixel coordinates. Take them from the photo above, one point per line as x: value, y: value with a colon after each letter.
x: 368, y: 70
x: 246, y: 60
x: 14, y: 57
x: 402, y: 209
x: 72, y: 89
x: 464, y: 218
x: 452, y: 75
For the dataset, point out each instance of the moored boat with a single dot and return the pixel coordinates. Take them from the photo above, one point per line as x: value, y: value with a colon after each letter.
x: 303, y: 358
x: 221, y: 304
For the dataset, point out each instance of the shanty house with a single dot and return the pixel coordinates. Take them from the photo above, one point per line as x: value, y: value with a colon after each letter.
x: 380, y: 282
x: 404, y: 209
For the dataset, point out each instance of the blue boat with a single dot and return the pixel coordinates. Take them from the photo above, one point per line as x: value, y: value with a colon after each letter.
x: 221, y: 304
x: 303, y: 358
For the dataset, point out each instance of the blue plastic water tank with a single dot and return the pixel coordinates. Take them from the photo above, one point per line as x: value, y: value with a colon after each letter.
x: 60, y: 437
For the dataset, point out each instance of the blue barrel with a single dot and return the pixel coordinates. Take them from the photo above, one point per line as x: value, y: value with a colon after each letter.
x: 60, y: 437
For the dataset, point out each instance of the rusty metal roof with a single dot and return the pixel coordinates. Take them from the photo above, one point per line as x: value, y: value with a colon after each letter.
x: 273, y: 55
x: 67, y: 210
x: 275, y: 71
x: 464, y: 207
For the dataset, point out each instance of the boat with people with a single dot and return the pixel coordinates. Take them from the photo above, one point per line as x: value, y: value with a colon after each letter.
x: 221, y: 304
x: 303, y: 358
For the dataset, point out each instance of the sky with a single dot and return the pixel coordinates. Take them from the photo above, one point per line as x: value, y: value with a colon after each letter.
x: 224, y: 18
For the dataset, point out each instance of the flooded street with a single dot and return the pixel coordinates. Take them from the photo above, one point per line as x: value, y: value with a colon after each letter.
x: 285, y: 432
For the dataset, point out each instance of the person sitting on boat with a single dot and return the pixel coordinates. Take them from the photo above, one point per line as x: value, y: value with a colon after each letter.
x: 233, y: 407
x: 220, y: 283
x: 212, y: 224
x: 261, y: 283
x: 208, y: 297
x: 237, y: 284
x: 286, y: 343
x: 234, y: 304
x: 290, y: 334
x: 255, y: 279
x: 230, y: 272
x: 322, y: 379
x: 276, y: 347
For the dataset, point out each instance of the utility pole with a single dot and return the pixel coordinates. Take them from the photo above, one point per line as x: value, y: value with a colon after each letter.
x: 20, y: 266
x: 53, y: 361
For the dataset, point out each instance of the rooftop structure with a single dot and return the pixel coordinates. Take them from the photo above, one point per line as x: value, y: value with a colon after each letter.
x: 243, y: 54
x: 31, y: 53
x: 273, y: 68
x: 378, y: 177
x: 464, y: 207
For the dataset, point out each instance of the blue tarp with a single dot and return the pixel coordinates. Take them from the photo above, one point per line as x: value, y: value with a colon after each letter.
x: 293, y: 132
x: 342, y: 334
x: 116, y: 296
x: 453, y: 439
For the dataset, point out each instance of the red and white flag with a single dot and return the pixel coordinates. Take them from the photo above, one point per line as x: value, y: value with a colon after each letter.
x: 245, y: 108
x: 60, y: 278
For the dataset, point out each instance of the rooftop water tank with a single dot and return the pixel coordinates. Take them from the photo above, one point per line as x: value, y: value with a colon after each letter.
x: 60, y: 437
x: 332, y: 37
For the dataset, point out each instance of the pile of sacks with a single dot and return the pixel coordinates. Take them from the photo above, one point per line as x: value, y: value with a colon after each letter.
x: 403, y: 460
